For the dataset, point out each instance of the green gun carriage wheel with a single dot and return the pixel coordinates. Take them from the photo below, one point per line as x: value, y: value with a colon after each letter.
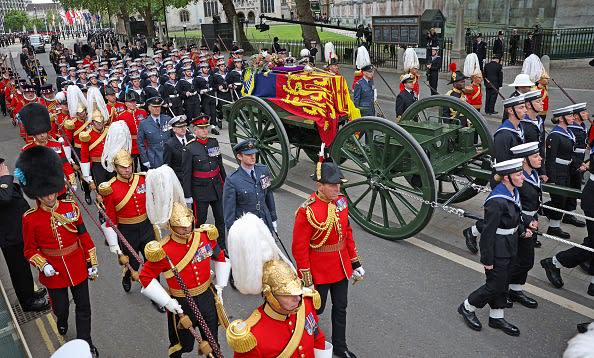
x: 252, y: 117
x: 376, y: 154
x: 429, y: 109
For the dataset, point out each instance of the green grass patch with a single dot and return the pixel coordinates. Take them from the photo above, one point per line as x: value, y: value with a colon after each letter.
x: 288, y: 32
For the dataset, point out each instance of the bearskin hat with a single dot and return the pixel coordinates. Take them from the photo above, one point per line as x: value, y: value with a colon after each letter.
x: 40, y: 172
x: 36, y: 119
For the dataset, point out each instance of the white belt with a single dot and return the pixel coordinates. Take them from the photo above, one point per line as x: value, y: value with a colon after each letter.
x: 592, y: 176
x: 562, y: 161
x: 173, y: 95
x: 501, y: 231
x: 579, y: 150
x: 529, y: 213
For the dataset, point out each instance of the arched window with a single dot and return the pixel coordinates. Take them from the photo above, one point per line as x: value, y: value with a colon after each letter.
x: 184, y: 16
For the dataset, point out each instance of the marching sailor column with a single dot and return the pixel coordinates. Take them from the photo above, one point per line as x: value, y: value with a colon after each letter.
x: 572, y: 257
x: 191, y: 251
x: 531, y: 198
x: 498, y: 246
x: 560, y: 145
x: 56, y: 240
x: 323, y: 247
x: 204, y: 176
x: 577, y: 167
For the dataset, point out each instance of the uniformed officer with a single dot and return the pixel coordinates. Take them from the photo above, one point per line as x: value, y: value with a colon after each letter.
x: 407, y: 96
x: 171, y: 95
x: 235, y: 78
x: 124, y: 198
x: 324, y: 248
x: 433, y: 69
x: 188, y: 90
x: 560, y: 145
x: 247, y: 189
x: 574, y: 256
x: 499, y: 243
x: 133, y: 116
x: 533, y: 125
x: 204, y: 83
x: 577, y: 167
x: 286, y: 325
x: 530, y: 197
x: 204, y: 176
x: 92, y: 143
x: 56, y: 241
x: 458, y: 82
x: 153, y: 132
x: 185, y: 242
x: 174, y: 147
x: 365, y: 92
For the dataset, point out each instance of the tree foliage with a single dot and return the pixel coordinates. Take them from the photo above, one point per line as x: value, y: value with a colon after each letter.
x: 15, y: 20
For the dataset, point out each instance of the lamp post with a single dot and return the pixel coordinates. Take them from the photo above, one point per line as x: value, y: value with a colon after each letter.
x: 185, y: 37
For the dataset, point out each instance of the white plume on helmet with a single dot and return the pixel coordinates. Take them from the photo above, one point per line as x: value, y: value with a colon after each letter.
x: 533, y: 67
x: 304, y: 53
x: 118, y: 137
x: 74, y: 97
x: 329, y: 51
x: 411, y: 60
x: 363, y: 58
x: 61, y: 96
x: 471, y: 65
x: 250, y: 245
x: 162, y: 190
x: 95, y: 100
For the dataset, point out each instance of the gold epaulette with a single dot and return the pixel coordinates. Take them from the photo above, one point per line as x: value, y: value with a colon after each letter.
x: 315, y: 297
x: 30, y: 211
x: 308, y: 202
x: 85, y: 136
x: 358, y: 72
x: 141, y: 173
x: 69, y: 124
x: 239, y: 335
x: 211, y: 231
x: 104, y: 188
x: 153, y: 251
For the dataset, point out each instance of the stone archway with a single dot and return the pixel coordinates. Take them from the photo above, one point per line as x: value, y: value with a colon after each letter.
x: 251, y: 17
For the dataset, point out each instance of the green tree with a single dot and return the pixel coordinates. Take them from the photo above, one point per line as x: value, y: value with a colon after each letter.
x: 15, y: 20
x: 304, y: 13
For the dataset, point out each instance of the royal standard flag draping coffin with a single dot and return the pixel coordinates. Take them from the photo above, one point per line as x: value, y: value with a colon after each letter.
x: 318, y: 96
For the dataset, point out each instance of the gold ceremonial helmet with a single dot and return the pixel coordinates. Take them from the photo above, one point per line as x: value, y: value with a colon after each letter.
x: 181, y: 216
x: 279, y: 278
x: 544, y: 74
x: 122, y: 158
x: 97, y: 116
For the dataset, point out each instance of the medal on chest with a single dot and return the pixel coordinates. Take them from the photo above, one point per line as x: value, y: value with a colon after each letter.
x: 265, y: 181
x: 58, y: 150
x: 202, y: 253
x: 310, y: 324
x: 341, y: 204
x: 140, y: 189
x: 214, y: 151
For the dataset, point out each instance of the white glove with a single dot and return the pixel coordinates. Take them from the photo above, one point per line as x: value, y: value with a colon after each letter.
x: 203, y: 91
x: 112, y: 239
x: 358, y: 272
x: 74, y: 187
x: 147, y: 164
x: 375, y: 94
x: 173, y: 306
x: 219, y: 293
x: 275, y: 226
x: 48, y: 270
x: 93, y: 272
x: 189, y: 201
x: 88, y: 179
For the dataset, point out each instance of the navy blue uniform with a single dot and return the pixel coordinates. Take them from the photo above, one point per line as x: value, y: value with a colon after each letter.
x: 363, y: 97
x: 151, y: 139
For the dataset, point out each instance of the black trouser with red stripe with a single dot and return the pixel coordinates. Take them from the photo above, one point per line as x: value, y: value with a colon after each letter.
x: 339, y: 293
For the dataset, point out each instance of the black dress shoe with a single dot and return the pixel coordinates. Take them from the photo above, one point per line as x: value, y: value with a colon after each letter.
x: 556, y: 231
x: 470, y: 240
x: 591, y: 289
x: 40, y: 293
x: 505, y: 326
x: 520, y: 297
x: 583, y: 327
x: 37, y: 305
x: 572, y: 220
x: 126, y: 283
x: 553, y: 273
x: 345, y: 354
x: 62, y: 328
x: 495, y: 112
x: 159, y: 308
x: 537, y: 243
x: 94, y: 351
x: 508, y: 301
x: 470, y: 318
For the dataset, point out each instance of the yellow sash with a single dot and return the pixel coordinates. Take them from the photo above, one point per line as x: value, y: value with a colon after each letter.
x: 82, y: 128
x: 129, y: 193
x: 297, y: 334
x: 96, y: 143
x: 187, y: 257
x: 478, y: 93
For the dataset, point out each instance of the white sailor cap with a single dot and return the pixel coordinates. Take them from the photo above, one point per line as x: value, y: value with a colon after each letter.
x: 508, y: 166
x: 525, y: 149
x: 532, y: 95
x: 578, y: 107
x: 74, y: 348
x: 563, y: 111
x: 514, y: 101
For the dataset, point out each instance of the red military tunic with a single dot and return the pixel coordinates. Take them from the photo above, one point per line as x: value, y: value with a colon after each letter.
x: 60, y: 239
x: 114, y: 111
x: 132, y: 120
x: 273, y: 332
x: 328, y: 258
x: 475, y: 97
x: 416, y: 88
x: 192, y: 258
x: 92, y: 143
x: 59, y: 149
x: 125, y: 201
x: 73, y: 127
x: 544, y: 90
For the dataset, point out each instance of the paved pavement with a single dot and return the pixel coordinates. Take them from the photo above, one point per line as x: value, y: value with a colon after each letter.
x: 406, y: 307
